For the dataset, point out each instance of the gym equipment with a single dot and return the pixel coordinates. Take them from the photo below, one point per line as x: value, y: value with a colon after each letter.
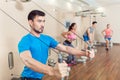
x: 60, y: 60
x: 64, y: 56
x: 110, y: 44
x: 51, y: 62
x: 83, y: 60
x: 95, y: 49
x: 92, y: 46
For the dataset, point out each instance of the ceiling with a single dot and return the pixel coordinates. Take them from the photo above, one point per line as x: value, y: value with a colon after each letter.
x: 69, y: 5
x: 79, y: 5
x: 108, y: 2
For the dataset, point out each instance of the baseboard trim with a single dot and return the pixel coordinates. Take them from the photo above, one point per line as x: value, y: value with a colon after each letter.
x: 103, y: 44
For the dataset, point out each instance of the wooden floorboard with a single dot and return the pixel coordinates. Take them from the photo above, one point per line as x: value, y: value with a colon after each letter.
x: 105, y: 66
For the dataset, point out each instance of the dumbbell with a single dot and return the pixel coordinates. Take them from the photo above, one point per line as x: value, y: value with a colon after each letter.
x: 60, y: 60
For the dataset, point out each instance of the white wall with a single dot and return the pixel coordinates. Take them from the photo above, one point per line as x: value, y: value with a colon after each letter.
x: 113, y: 18
x: 10, y: 35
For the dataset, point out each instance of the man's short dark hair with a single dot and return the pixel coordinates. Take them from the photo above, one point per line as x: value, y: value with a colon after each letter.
x: 94, y: 22
x: 34, y: 13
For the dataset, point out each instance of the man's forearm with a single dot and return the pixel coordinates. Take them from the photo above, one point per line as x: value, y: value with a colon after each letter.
x: 38, y: 67
x: 74, y: 51
x: 69, y: 50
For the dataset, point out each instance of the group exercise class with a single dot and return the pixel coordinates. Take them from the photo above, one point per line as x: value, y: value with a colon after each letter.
x: 59, y: 39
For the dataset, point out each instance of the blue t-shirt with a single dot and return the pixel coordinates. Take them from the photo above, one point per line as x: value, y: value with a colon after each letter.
x: 39, y: 48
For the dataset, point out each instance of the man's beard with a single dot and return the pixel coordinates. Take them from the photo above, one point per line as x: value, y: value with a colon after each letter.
x: 37, y: 31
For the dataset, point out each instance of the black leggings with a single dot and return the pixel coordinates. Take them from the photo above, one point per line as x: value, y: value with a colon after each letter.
x: 71, y: 57
x: 26, y: 78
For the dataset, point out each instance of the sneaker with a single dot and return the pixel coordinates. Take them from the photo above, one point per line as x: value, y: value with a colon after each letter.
x: 73, y: 62
x: 107, y: 49
x: 70, y: 64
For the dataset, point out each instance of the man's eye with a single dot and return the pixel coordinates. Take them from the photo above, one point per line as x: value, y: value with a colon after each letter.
x: 43, y: 20
x: 39, y: 20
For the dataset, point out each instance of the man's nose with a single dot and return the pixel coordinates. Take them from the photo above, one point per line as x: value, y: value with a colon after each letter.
x: 42, y: 23
x: 42, y: 26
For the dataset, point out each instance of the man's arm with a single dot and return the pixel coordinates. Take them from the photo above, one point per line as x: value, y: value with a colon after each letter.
x: 70, y: 50
x: 34, y: 64
x: 59, y: 70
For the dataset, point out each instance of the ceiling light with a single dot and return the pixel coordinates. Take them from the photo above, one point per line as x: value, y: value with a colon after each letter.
x: 80, y: 8
x: 69, y: 5
x: 100, y: 9
x: 71, y: 0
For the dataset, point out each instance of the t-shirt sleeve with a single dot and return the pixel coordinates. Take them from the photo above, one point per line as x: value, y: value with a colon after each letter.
x: 23, y: 45
x: 53, y: 43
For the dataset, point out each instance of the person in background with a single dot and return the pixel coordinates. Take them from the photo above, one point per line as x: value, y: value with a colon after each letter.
x: 70, y: 37
x: 107, y: 33
x: 88, y: 36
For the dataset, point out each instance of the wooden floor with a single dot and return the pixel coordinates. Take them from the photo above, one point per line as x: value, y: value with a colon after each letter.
x: 105, y: 66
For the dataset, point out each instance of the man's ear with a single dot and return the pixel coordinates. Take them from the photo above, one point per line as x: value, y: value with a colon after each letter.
x: 30, y: 22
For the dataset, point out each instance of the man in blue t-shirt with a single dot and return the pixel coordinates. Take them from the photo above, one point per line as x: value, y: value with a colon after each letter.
x: 33, y: 49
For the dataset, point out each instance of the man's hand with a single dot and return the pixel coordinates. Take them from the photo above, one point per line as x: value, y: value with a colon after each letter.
x: 61, y: 70
x: 90, y: 53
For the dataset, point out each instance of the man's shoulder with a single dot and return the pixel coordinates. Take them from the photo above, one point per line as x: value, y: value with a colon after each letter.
x: 46, y: 35
x: 25, y: 37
